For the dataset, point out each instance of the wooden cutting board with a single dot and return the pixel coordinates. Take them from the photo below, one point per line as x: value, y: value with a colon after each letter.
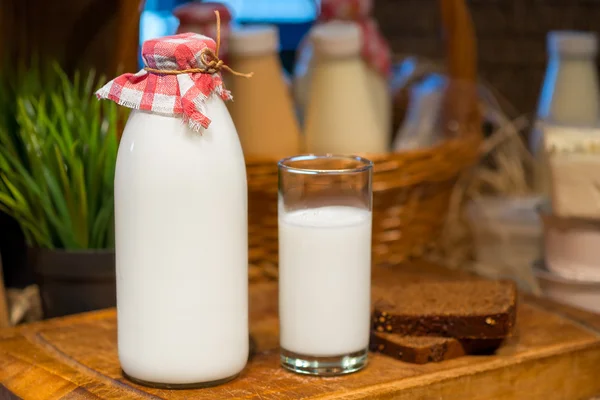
x: 555, y: 354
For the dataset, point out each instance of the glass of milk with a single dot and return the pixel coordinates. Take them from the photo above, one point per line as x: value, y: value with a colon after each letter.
x: 325, y: 205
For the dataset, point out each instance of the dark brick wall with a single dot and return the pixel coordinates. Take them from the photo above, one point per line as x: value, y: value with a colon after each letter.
x: 511, y: 36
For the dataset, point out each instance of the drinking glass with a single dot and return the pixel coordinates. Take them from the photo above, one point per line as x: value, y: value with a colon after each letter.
x: 325, y: 205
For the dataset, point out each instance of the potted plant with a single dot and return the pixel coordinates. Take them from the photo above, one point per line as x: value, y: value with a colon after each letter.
x: 57, y: 157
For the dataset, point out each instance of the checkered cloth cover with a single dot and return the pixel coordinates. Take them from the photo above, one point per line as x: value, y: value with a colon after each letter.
x: 182, y: 94
x: 200, y: 18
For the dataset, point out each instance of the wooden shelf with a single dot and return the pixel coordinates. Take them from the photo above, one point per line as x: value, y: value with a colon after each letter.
x: 554, y: 354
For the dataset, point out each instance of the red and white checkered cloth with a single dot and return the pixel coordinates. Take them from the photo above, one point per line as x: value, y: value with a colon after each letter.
x: 180, y: 94
x: 375, y: 50
x: 345, y: 10
x: 200, y: 18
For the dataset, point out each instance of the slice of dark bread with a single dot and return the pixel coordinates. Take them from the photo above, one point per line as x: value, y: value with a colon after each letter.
x: 424, y: 349
x: 416, y: 349
x: 478, y: 309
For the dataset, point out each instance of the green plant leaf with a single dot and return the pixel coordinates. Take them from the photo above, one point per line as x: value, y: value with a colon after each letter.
x: 56, y: 157
x: 34, y: 234
x: 102, y: 225
x: 15, y: 194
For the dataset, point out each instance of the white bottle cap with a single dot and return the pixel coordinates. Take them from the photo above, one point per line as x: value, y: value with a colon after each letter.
x: 254, y: 40
x: 572, y: 43
x: 337, y: 38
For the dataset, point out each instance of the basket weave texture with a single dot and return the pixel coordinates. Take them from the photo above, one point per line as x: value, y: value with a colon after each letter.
x: 411, y: 195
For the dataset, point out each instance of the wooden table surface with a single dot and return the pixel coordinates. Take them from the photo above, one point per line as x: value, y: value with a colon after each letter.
x: 555, y: 354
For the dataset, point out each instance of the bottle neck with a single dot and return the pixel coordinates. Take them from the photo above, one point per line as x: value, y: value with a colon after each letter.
x: 565, y: 57
x: 570, y: 91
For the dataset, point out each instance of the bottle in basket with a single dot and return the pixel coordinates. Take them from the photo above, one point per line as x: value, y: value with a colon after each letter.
x: 181, y: 220
x: 374, y: 51
x: 341, y: 116
x: 263, y: 111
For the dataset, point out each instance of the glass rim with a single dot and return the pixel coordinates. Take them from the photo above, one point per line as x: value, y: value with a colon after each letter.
x: 366, y: 164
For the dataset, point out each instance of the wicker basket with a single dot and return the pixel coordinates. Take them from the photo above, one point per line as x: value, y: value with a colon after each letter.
x: 411, y: 190
x: 411, y: 193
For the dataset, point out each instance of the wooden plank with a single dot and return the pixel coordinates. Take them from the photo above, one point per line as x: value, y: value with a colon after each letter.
x: 554, y: 354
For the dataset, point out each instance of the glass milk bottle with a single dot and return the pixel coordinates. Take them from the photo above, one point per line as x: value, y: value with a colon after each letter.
x: 180, y: 220
x: 570, y: 94
x: 263, y: 109
x: 377, y: 61
x: 341, y: 115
